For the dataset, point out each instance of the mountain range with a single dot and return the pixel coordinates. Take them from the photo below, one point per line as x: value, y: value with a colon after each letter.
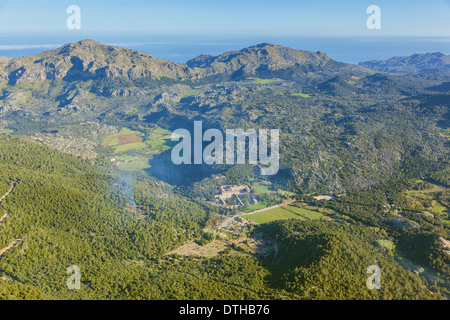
x: 88, y: 59
x: 263, y: 86
x: 416, y: 63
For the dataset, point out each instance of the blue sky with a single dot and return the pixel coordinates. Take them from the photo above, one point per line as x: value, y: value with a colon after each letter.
x: 179, y: 30
x: 238, y: 18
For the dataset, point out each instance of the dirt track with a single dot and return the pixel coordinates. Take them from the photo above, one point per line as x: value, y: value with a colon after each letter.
x: 4, y: 216
x: 16, y: 241
x: 3, y: 197
x: 9, y: 247
x: 9, y: 191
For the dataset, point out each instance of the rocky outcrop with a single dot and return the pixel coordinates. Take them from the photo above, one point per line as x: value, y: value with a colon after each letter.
x: 89, y: 59
x: 405, y: 223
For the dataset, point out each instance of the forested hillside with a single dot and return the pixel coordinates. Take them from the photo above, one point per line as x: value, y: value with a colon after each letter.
x: 66, y: 211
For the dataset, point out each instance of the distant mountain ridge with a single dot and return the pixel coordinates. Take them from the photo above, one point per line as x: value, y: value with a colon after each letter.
x: 416, y: 63
x: 88, y: 59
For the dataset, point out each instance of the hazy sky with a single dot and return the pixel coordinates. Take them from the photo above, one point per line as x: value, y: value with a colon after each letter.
x: 228, y: 17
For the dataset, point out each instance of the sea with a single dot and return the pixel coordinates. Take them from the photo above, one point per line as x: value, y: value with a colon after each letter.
x: 349, y: 49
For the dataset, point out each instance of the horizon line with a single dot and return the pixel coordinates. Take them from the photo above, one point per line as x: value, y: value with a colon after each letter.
x: 47, y: 47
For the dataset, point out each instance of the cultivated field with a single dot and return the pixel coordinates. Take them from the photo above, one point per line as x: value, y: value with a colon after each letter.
x: 125, y: 136
x: 284, y: 212
x: 133, y: 149
x: 427, y: 200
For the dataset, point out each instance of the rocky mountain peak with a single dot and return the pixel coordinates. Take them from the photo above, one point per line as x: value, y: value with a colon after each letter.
x: 264, y: 56
x: 88, y: 59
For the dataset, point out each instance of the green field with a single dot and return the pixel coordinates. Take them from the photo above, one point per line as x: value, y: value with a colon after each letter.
x: 287, y: 212
x: 444, y: 133
x: 6, y: 131
x: 254, y: 207
x: 133, y: 149
x: 131, y: 111
x: 130, y: 146
x: 426, y: 199
x: 259, y: 187
x: 266, y: 81
x: 158, y: 140
x: 133, y: 163
x: 123, y: 137
x: 300, y: 94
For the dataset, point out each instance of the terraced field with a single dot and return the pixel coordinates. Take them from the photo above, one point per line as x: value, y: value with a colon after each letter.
x: 124, y: 137
x: 133, y: 149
